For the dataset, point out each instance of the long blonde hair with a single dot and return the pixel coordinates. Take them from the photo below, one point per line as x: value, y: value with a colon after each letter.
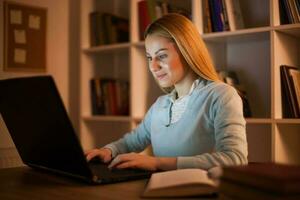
x: 182, y: 31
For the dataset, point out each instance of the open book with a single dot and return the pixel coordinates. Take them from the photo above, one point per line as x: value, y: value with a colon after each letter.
x: 179, y: 183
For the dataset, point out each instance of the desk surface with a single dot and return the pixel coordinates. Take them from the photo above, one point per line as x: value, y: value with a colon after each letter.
x: 25, y: 183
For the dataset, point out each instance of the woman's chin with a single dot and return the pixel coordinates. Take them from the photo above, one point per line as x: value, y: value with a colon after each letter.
x: 164, y: 84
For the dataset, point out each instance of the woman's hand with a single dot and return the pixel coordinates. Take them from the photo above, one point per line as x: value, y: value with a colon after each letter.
x: 104, y: 154
x: 134, y: 160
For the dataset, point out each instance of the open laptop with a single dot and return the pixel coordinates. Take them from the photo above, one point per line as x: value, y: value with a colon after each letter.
x: 43, y: 134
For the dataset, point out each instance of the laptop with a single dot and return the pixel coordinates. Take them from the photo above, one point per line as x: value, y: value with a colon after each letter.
x: 37, y: 121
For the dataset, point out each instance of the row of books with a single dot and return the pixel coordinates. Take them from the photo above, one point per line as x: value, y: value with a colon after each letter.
x: 290, y: 90
x: 109, y: 96
x: 149, y: 10
x: 222, y: 15
x: 289, y: 11
x: 106, y: 28
x: 231, y: 78
x: 268, y: 181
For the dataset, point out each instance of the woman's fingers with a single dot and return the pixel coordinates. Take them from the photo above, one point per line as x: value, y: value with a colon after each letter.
x: 88, y: 151
x: 128, y: 164
x: 133, y: 160
x: 93, y: 154
x: 120, y: 159
x: 103, y: 153
x: 114, y: 162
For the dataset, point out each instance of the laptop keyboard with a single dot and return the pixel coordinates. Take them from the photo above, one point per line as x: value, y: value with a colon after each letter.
x: 112, y: 175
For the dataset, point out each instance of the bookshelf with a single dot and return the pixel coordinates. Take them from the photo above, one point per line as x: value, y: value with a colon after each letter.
x: 254, y: 52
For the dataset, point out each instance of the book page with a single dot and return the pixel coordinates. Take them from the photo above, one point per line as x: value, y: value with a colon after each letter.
x: 179, y: 177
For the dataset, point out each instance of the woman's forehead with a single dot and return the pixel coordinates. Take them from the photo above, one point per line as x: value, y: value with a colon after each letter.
x: 154, y: 43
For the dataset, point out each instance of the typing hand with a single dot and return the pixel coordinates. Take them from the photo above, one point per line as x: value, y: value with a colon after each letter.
x: 134, y: 160
x: 103, y: 154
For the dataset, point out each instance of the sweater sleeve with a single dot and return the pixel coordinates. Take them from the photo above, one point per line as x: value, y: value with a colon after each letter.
x: 230, y: 135
x: 136, y: 140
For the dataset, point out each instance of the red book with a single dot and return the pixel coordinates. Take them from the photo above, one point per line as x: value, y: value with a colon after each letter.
x: 112, y: 97
x: 144, y: 17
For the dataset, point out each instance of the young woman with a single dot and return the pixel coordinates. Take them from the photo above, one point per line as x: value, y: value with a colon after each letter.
x: 199, y: 123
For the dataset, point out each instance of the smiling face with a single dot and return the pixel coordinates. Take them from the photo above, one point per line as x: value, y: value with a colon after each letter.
x: 165, y: 61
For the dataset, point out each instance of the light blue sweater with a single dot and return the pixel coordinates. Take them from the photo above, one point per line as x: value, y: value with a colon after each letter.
x: 210, y: 132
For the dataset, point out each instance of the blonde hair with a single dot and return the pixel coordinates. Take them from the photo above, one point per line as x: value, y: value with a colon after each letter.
x: 182, y: 31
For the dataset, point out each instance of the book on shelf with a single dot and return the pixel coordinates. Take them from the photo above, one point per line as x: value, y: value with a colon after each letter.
x: 232, y: 191
x: 222, y: 15
x: 231, y: 78
x: 106, y: 28
x: 96, y: 29
x: 97, y: 102
x: 290, y: 79
x: 275, y: 178
x: 144, y: 17
x: 235, y: 15
x: 219, y: 15
x: 294, y: 11
x: 109, y: 96
x: 289, y: 11
x: 298, y: 7
x: 295, y: 74
x: 207, y: 24
x: 284, y: 18
x: 180, y: 183
x: 216, y: 10
x: 150, y: 10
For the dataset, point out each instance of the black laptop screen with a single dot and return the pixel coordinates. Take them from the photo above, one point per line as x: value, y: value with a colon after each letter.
x: 39, y: 125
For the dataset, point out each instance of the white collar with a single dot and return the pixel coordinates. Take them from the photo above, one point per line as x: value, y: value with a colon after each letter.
x: 173, y: 94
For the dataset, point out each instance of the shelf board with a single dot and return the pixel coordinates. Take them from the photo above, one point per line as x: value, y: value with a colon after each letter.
x: 108, y: 118
x: 258, y: 120
x: 268, y: 120
x: 287, y: 121
x: 221, y: 36
x: 107, y: 48
x: 139, y: 44
x: 291, y: 29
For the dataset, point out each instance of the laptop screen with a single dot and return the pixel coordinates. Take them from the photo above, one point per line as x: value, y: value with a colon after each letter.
x: 39, y: 125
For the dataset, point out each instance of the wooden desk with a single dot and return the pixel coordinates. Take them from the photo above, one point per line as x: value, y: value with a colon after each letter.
x: 26, y: 183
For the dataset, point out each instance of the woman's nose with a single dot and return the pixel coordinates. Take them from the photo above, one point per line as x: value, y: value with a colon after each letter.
x: 154, y: 65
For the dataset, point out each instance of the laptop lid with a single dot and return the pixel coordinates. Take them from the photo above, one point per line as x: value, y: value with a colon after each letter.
x: 40, y: 127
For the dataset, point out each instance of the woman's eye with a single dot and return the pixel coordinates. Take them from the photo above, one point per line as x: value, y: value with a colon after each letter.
x: 149, y: 58
x: 162, y: 56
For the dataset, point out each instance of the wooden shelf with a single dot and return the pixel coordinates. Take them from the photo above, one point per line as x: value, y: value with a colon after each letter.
x: 228, y: 34
x: 255, y: 53
x: 290, y: 29
x: 139, y: 44
x: 286, y: 26
x: 258, y: 120
x: 287, y: 121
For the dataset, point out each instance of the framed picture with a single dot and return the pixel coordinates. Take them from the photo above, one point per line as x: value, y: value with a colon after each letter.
x: 24, y: 37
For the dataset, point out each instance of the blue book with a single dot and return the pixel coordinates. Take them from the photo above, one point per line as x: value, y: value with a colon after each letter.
x: 216, y: 11
x: 218, y: 8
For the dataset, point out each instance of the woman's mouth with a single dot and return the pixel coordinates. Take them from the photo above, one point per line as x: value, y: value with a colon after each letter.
x: 161, y: 76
